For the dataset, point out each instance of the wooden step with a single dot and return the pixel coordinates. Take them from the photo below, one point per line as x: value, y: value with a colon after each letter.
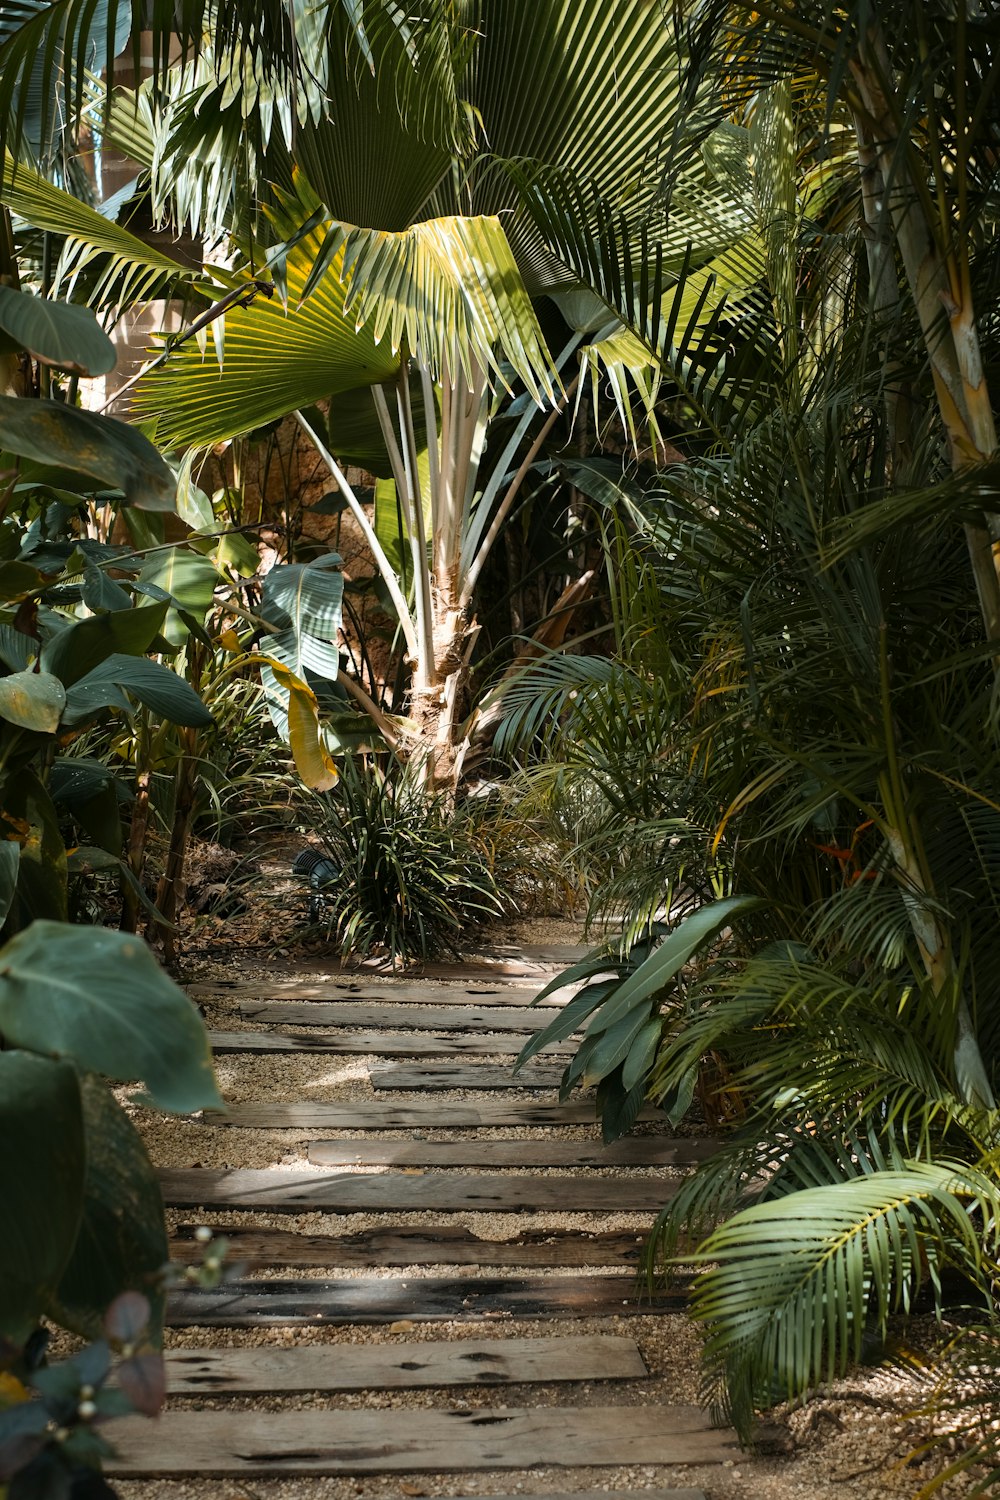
x: 632, y: 1151
x: 367, y: 1014
x: 415, y: 1114
x: 394, y: 1367
x: 415, y: 1245
x: 436, y: 1076
x: 421, y: 1192
x: 542, y: 953
x: 379, y: 1043
x: 395, y: 991
x: 388, y: 1442
x: 420, y: 1299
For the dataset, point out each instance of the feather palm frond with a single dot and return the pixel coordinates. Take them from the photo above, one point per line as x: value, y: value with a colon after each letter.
x: 794, y: 1283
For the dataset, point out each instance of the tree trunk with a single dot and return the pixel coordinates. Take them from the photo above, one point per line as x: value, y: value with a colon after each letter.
x: 170, y: 890
x: 935, y: 263
x: 136, y: 854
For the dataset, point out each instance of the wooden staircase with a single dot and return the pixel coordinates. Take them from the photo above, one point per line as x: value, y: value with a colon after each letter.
x: 422, y: 1160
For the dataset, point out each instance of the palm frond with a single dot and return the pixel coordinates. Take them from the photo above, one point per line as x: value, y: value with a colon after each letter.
x: 794, y: 1283
x: 359, y: 301
x: 136, y: 270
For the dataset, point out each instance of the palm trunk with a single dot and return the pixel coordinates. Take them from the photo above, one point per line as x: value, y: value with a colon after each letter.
x: 935, y: 262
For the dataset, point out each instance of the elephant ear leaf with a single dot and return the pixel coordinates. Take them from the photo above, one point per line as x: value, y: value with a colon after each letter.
x: 56, y: 333
x: 114, y: 454
x: 101, y: 999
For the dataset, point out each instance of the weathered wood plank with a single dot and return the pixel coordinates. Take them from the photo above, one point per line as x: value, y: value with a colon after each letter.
x: 632, y: 1151
x: 422, y: 1299
x: 365, y: 1014
x: 415, y: 1114
x: 419, y: 992
x: 542, y: 953
x: 387, y: 1442
x: 379, y: 1043
x: 415, y: 1245
x: 434, y: 1076
x: 400, y: 1192
x: 393, y: 1367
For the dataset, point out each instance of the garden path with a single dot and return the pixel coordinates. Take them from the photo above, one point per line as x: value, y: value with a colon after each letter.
x: 440, y: 1287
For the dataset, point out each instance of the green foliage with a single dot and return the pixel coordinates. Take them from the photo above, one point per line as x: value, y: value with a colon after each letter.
x: 414, y: 874
x: 625, y: 1015
x: 87, y: 1220
x: 40, y: 1107
x: 795, y: 1284
x: 113, y: 453
x: 802, y: 708
x: 76, y: 999
x: 58, y: 333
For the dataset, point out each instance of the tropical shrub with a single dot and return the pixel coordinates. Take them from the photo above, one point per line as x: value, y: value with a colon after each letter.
x: 831, y: 754
x: 415, y: 874
x: 801, y: 607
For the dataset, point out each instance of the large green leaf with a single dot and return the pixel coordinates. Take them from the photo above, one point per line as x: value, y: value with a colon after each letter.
x: 304, y: 601
x: 91, y: 793
x: 572, y: 85
x: 58, y: 333
x: 791, y: 1285
x: 112, y: 452
x: 41, y: 1184
x: 75, y: 651
x: 32, y: 700
x: 666, y: 961
x: 121, y: 1244
x: 119, y: 678
x: 379, y: 155
x: 100, y: 998
x: 450, y: 290
x: 620, y: 1008
x: 190, y: 579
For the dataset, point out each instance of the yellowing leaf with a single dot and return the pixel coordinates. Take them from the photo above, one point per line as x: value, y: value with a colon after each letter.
x: 32, y: 700
x: 12, y: 1392
x: 313, y: 760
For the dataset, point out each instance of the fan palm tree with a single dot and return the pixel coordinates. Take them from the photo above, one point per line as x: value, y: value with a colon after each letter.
x: 406, y: 198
